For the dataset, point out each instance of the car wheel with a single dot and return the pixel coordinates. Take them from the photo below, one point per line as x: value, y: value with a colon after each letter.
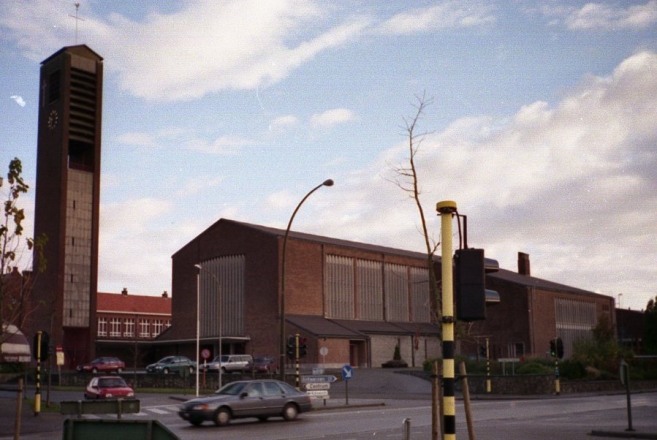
x: 263, y: 418
x: 290, y: 412
x: 119, y: 370
x: 191, y: 370
x: 165, y: 371
x: 94, y: 370
x: 222, y: 417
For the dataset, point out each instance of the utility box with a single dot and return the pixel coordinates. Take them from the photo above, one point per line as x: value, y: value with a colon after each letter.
x: 111, y: 429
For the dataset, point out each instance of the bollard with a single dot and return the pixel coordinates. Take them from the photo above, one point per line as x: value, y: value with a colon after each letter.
x: 406, y: 429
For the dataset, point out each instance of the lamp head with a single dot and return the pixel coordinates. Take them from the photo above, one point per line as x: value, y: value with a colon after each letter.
x: 328, y: 182
x: 198, y: 266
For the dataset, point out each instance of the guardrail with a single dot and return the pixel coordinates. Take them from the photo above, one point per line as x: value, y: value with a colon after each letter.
x: 118, y: 407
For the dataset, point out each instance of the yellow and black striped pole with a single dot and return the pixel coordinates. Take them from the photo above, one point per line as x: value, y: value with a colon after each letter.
x: 296, y: 360
x: 446, y: 210
x: 488, y: 387
x: 37, y: 394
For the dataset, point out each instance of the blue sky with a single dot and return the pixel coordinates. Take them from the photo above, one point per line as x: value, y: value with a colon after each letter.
x: 542, y: 125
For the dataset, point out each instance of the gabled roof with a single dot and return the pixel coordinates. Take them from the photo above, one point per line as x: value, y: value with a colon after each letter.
x: 274, y: 232
x: 138, y: 304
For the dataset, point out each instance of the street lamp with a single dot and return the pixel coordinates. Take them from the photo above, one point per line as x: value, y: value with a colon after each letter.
x: 198, y: 320
x: 221, y: 323
x: 327, y: 182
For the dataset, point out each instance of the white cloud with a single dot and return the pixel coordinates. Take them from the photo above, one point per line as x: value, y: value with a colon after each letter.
x: 283, y: 123
x: 19, y: 100
x: 332, y: 117
x: 444, y: 15
x: 212, y: 46
x: 603, y: 16
x: 573, y: 184
x: 228, y: 144
x: 204, y: 47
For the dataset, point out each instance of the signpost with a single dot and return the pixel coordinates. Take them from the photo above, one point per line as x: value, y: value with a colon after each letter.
x: 59, y: 352
x: 347, y: 374
x: 318, y: 386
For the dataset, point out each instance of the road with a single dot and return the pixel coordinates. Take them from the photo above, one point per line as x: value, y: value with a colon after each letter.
x: 379, y: 413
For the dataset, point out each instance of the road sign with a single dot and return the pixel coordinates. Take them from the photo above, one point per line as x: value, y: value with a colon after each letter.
x: 323, y: 351
x: 205, y: 353
x: 315, y: 379
x: 347, y: 372
x: 317, y: 386
x: 318, y: 393
x: 59, y: 351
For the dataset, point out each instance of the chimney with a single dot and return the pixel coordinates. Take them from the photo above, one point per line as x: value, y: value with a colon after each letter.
x: 124, y: 291
x: 165, y: 294
x: 523, y: 264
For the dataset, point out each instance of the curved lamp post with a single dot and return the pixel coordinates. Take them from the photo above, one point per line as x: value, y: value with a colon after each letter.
x: 281, y: 365
x: 221, y: 323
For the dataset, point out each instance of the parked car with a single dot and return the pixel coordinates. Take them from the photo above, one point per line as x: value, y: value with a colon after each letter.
x: 247, y: 398
x: 262, y: 364
x: 172, y: 364
x: 229, y: 363
x: 108, y: 387
x: 105, y: 364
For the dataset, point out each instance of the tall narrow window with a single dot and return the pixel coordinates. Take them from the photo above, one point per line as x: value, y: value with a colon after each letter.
x: 340, y: 287
x: 396, y: 292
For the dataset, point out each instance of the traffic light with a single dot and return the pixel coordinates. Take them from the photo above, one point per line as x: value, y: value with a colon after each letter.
x: 482, y: 350
x: 291, y: 347
x: 303, y: 348
x: 559, y: 348
x: 553, y: 347
x: 469, y: 285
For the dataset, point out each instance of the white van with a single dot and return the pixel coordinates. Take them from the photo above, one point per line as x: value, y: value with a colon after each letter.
x: 229, y: 363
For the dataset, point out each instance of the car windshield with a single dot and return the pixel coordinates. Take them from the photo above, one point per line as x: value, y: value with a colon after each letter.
x: 232, y: 389
x: 113, y: 382
x: 166, y: 360
x: 262, y: 360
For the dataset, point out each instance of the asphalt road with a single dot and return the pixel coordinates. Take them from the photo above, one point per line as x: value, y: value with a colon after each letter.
x: 378, y: 402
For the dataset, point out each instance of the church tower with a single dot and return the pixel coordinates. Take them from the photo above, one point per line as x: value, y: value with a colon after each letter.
x: 67, y: 201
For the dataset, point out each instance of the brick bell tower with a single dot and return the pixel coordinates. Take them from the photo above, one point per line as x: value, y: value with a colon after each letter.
x: 67, y: 201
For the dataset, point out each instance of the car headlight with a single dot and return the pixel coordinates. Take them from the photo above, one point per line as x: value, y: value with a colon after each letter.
x: 199, y: 407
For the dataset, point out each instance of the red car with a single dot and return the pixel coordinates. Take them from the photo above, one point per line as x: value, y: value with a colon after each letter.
x: 108, y: 387
x: 262, y: 365
x: 103, y: 365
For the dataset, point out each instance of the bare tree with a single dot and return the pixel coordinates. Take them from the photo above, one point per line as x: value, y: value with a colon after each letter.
x: 408, y: 181
x: 15, y: 287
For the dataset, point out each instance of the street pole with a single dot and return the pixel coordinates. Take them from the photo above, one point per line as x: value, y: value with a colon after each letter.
x: 446, y: 210
x: 198, y: 321
x: 282, y: 344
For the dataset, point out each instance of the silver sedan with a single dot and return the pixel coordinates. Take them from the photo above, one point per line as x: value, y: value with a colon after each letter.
x: 249, y: 398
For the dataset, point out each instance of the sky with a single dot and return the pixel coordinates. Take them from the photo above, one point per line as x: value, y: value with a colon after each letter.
x: 540, y: 122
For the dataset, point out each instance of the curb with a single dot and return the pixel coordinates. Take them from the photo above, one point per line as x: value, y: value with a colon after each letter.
x: 626, y: 434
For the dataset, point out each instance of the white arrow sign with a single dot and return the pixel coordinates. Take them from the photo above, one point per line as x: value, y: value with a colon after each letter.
x: 317, y: 393
x: 317, y: 386
x: 315, y: 379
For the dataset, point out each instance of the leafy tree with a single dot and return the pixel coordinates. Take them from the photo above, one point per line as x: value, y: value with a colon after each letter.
x: 15, y: 288
x: 650, y: 327
x: 602, y: 352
